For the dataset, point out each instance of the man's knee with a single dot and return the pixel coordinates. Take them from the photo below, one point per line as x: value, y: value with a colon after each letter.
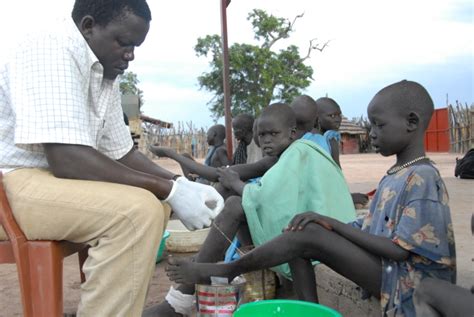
x: 147, y: 211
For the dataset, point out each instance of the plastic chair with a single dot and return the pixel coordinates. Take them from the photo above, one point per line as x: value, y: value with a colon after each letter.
x: 39, y: 264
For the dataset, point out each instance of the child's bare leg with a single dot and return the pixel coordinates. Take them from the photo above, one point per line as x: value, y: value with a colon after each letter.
x: 435, y: 297
x: 304, y: 279
x: 228, y: 221
x: 314, y: 242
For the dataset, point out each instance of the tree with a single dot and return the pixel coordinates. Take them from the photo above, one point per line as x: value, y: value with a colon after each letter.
x: 258, y: 74
x: 128, y: 86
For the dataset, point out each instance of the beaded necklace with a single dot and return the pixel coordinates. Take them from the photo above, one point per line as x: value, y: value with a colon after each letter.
x: 396, y: 169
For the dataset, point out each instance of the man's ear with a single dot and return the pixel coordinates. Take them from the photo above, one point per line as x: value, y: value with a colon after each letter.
x: 413, y: 120
x: 86, y: 26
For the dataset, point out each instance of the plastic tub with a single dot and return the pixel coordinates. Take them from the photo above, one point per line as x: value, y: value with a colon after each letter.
x: 159, y: 255
x: 284, y: 308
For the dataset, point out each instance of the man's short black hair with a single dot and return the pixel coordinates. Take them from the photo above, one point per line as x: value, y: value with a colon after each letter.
x: 104, y: 11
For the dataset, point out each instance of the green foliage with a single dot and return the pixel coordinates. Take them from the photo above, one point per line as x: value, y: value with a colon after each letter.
x: 128, y: 86
x: 258, y: 75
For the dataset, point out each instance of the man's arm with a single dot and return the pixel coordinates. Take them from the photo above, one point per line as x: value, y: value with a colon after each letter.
x: 84, y: 162
x: 137, y: 161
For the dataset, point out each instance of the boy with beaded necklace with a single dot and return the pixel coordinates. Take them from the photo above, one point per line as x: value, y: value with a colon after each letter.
x: 406, y: 237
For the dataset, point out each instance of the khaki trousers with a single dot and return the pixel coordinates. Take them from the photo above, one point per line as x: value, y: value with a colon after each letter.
x: 122, y: 224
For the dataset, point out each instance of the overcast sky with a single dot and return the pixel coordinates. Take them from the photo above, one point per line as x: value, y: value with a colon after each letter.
x: 373, y: 43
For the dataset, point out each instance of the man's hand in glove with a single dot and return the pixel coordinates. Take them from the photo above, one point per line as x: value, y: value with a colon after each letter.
x: 195, y: 204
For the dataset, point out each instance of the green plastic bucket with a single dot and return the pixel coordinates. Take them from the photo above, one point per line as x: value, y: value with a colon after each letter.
x: 284, y: 308
x: 159, y: 255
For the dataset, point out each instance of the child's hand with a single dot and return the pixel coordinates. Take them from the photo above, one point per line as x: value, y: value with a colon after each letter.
x: 227, y: 177
x: 300, y: 221
x: 161, y: 151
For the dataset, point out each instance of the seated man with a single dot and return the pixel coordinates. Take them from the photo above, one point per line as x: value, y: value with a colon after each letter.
x: 304, y: 177
x: 70, y: 169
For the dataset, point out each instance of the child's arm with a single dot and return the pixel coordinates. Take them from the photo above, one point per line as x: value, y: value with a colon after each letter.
x: 245, y: 171
x: 376, y: 245
x: 222, y: 157
x: 335, y: 150
x: 257, y: 169
x: 231, y: 180
x: 207, y: 172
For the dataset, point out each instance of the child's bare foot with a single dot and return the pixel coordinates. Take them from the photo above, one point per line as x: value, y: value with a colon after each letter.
x: 183, y: 271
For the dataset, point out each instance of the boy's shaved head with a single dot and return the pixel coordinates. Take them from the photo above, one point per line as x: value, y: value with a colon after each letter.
x: 407, y: 97
x: 304, y: 104
x: 326, y: 104
x: 244, y: 121
x: 219, y: 129
x: 306, y: 112
x: 280, y: 112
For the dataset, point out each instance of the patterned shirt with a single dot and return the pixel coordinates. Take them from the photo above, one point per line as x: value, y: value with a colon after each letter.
x: 411, y: 208
x: 52, y: 90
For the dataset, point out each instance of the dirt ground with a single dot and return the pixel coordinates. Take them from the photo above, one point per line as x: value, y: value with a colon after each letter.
x: 362, y: 172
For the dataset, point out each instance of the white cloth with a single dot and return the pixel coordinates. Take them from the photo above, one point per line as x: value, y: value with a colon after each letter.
x: 52, y: 91
x: 181, y: 303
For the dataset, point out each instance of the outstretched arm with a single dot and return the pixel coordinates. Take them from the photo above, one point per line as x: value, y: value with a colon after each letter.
x: 207, y: 172
x: 245, y: 171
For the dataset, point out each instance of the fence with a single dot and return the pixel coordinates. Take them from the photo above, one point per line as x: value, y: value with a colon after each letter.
x: 180, y: 137
x: 461, y: 119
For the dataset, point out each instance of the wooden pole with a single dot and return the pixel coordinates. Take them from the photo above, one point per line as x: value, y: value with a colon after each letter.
x: 225, y: 78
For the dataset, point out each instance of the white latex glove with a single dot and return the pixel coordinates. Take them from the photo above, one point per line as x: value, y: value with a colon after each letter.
x: 188, y: 200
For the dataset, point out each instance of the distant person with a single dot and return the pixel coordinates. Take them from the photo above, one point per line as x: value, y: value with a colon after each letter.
x: 406, y: 238
x: 216, y: 153
x: 307, y: 125
x: 242, y: 126
x: 302, y: 179
x: 69, y: 165
x: 328, y: 122
x: 194, y: 146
